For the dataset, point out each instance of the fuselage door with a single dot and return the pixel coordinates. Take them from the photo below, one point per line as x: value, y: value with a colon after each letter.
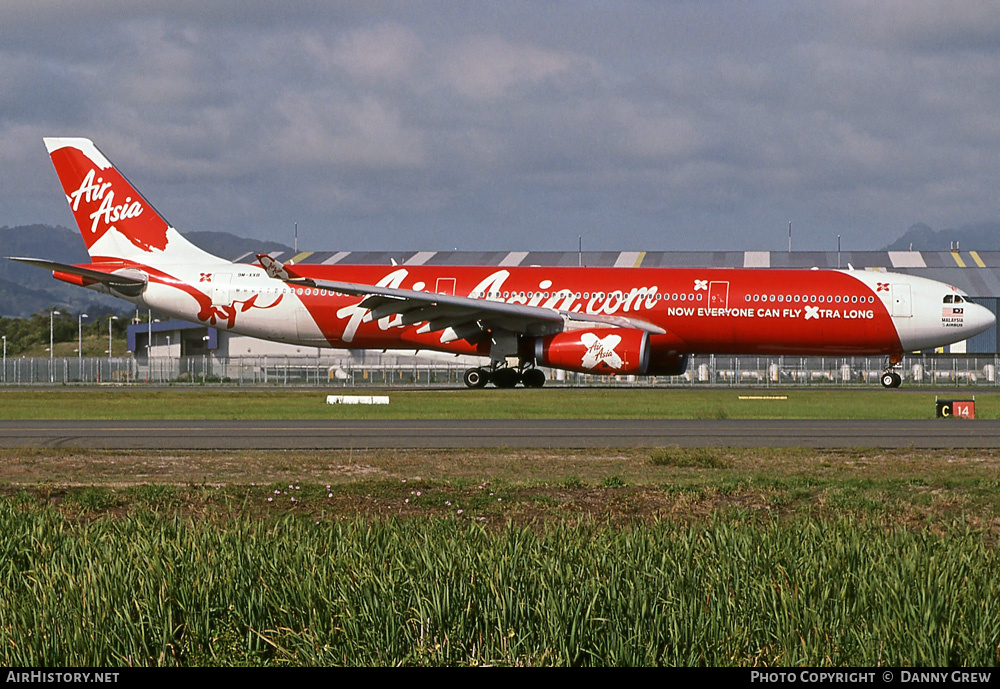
x: 221, y: 288
x: 445, y: 286
x: 718, y: 294
x: 902, y: 306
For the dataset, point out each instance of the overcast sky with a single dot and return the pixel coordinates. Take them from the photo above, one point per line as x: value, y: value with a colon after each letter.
x: 514, y: 126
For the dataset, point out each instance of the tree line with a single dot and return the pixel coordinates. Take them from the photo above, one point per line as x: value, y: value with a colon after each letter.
x: 25, y: 334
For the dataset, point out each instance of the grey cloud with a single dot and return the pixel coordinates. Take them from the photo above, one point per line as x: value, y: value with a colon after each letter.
x: 516, y: 125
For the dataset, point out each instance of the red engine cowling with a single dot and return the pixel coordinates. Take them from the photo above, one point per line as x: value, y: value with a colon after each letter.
x: 601, y: 351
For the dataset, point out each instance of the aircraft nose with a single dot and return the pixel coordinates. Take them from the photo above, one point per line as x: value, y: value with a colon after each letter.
x: 980, y: 319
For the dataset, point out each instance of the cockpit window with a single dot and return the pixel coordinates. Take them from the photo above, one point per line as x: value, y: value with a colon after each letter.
x: 949, y: 298
x: 959, y: 300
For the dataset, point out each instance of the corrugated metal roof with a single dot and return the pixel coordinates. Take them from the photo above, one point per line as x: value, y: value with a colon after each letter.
x: 513, y: 258
x: 420, y: 258
x: 906, y: 259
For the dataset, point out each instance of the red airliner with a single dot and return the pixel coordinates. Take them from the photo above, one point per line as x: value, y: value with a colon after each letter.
x: 642, y: 321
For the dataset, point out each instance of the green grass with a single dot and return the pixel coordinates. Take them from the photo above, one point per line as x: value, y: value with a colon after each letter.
x: 739, y: 591
x: 714, y: 556
x: 235, y: 403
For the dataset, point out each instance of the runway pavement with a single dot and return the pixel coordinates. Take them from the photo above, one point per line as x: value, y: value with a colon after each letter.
x: 492, y: 433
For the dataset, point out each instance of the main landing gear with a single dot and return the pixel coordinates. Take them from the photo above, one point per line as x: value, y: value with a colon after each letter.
x: 891, y: 379
x: 476, y: 377
x: 504, y: 377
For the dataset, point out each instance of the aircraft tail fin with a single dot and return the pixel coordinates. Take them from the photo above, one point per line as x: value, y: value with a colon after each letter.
x: 115, y: 220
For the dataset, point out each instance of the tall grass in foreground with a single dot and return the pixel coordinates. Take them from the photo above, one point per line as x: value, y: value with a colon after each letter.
x: 152, y: 591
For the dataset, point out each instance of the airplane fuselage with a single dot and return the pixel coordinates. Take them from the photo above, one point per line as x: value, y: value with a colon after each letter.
x: 710, y: 310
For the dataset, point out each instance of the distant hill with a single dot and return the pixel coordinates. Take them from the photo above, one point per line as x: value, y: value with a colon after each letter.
x: 920, y: 237
x: 25, y: 290
x: 232, y: 247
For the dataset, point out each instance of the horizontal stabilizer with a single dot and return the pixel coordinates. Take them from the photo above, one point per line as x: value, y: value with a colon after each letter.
x: 128, y: 285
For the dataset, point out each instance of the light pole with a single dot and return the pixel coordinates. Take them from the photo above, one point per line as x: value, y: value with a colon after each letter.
x: 79, y: 343
x: 5, y: 358
x: 52, y: 349
x: 111, y: 318
x: 204, y: 365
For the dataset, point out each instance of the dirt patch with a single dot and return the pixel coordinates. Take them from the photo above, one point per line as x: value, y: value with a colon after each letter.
x: 917, y: 488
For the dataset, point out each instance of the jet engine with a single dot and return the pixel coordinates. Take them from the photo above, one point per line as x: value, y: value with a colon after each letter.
x: 600, y: 351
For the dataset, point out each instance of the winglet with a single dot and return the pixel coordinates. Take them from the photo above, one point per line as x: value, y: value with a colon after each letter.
x: 274, y: 267
x: 280, y: 271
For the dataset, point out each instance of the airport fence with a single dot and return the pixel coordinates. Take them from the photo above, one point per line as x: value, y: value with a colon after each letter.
x: 725, y: 371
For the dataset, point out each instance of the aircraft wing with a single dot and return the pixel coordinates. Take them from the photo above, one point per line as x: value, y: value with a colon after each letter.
x: 130, y: 285
x: 460, y: 317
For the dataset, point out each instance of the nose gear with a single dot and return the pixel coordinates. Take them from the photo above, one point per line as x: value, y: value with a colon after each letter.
x: 891, y: 379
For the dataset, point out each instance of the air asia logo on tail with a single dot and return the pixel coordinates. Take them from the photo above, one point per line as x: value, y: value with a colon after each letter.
x: 103, y: 200
x: 108, y: 212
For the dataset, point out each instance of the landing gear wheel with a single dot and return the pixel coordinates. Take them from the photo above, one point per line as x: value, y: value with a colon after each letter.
x: 533, y: 378
x: 891, y: 379
x: 476, y: 377
x: 506, y: 378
